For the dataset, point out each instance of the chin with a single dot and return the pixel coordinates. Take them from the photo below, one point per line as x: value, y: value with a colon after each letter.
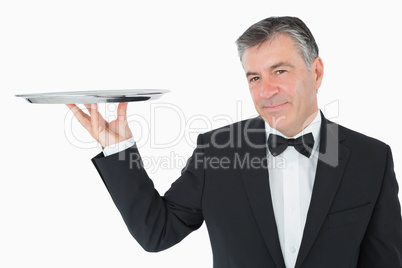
x: 275, y: 117
x: 280, y: 122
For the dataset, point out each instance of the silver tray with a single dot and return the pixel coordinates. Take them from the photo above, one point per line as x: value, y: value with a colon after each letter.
x: 94, y: 96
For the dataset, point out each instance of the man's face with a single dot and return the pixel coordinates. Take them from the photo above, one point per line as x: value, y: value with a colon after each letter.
x: 284, y: 91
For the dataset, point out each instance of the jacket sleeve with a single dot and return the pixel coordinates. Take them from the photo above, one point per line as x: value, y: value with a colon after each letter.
x: 156, y: 222
x: 382, y: 243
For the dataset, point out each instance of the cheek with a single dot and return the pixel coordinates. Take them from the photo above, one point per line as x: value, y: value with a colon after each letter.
x: 305, y: 102
x: 255, y: 95
x: 309, y: 92
x: 289, y: 91
x: 302, y: 92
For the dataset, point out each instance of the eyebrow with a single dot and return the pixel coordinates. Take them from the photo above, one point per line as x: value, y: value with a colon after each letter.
x: 281, y: 64
x: 275, y: 66
x: 251, y: 73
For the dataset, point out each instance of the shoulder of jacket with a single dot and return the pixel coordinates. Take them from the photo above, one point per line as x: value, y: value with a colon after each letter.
x: 359, y: 140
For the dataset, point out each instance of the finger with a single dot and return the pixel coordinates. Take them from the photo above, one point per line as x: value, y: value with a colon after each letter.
x: 82, y: 117
x: 97, y: 121
x: 93, y: 110
x: 88, y: 106
x: 122, y: 111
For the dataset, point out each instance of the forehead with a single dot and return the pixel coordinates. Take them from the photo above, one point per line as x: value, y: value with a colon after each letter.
x: 280, y: 48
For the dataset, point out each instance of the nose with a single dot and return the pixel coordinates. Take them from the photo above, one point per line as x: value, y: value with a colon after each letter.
x: 268, y: 88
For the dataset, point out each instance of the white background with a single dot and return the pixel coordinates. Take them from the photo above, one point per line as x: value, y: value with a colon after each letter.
x: 54, y: 208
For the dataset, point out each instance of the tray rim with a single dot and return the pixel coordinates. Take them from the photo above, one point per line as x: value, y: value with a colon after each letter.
x: 94, y: 93
x: 94, y: 96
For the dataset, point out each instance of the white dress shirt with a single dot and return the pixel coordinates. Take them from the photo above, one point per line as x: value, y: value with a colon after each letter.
x: 121, y: 146
x: 291, y: 180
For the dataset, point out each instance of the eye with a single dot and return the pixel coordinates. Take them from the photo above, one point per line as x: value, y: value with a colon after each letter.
x: 254, y: 79
x: 280, y: 71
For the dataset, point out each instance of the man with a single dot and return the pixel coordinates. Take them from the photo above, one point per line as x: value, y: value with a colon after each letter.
x: 286, y: 189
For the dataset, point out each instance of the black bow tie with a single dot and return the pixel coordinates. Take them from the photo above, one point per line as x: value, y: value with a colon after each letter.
x: 303, y: 144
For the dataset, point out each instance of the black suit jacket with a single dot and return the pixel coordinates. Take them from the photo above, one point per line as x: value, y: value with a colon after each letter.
x: 354, y: 218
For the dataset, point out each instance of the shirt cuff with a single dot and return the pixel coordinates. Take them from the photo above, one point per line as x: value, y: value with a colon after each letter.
x: 118, y: 147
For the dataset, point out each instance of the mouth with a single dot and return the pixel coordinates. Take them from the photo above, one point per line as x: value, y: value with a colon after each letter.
x: 275, y: 107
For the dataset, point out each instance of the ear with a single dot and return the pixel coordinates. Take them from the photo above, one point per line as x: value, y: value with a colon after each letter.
x: 317, y: 70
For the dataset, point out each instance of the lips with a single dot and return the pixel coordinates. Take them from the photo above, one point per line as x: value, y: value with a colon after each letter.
x: 275, y: 106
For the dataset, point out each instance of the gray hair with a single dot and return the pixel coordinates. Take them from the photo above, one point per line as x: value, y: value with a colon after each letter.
x: 269, y: 28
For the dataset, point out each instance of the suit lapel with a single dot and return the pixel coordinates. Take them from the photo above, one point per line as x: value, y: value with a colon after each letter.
x: 255, y: 178
x: 331, y: 164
